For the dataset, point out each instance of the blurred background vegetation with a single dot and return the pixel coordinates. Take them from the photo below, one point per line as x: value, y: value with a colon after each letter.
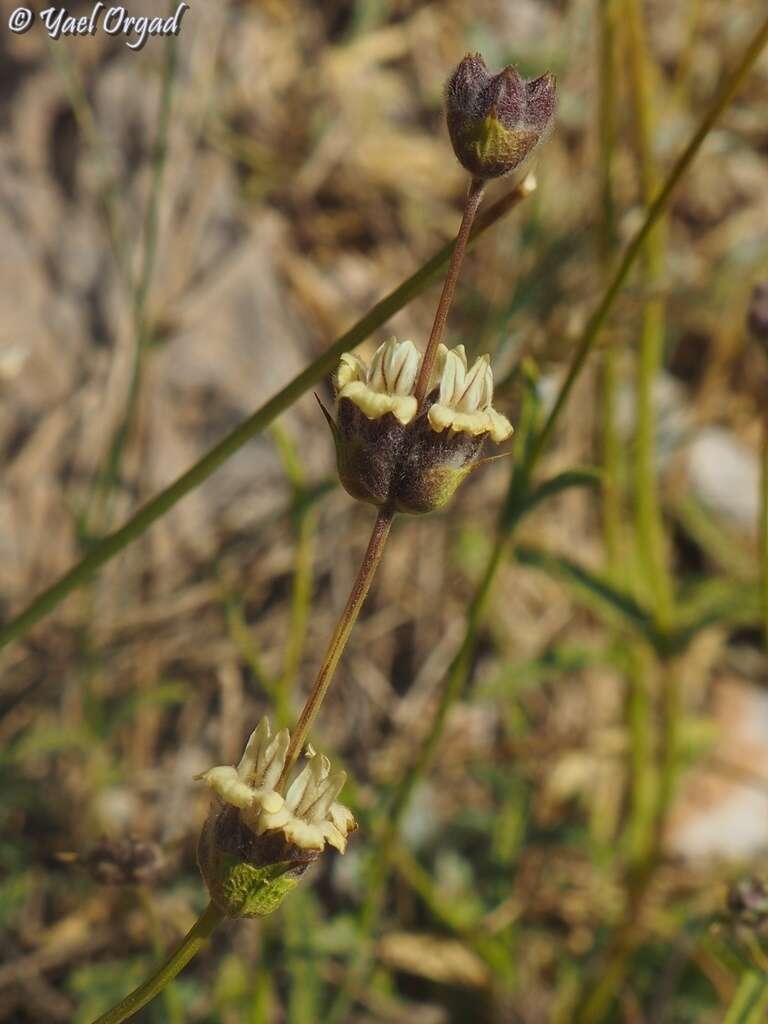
x: 183, y: 229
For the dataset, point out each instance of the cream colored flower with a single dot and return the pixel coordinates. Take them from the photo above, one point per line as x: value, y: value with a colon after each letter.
x: 308, y: 816
x: 464, y: 402
x: 412, y: 460
x: 384, y: 386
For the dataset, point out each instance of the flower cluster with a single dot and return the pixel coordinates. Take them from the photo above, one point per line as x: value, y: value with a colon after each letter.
x: 257, y: 843
x: 390, y: 452
x: 496, y: 121
x: 308, y: 815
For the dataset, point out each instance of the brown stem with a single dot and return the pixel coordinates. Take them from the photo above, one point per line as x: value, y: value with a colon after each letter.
x: 338, y: 641
x: 471, y: 204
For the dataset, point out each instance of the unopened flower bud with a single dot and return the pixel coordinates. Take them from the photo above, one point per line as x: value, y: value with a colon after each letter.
x: 757, y: 314
x: 496, y: 121
x: 256, y: 843
x: 389, y: 452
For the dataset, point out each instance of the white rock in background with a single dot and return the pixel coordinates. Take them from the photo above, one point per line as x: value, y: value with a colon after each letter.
x: 722, y: 810
x: 724, y: 475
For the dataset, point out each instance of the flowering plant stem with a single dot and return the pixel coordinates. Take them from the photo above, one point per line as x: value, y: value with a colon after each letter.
x: 189, y: 946
x: 471, y: 206
x: 360, y: 587
x: 338, y: 640
x: 384, y: 519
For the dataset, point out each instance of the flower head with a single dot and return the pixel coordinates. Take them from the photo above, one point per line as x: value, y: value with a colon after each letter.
x: 384, y: 386
x: 257, y: 842
x: 496, y: 121
x: 464, y: 401
x: 392, y: 453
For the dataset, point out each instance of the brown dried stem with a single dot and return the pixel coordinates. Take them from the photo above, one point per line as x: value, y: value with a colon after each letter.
x: 471, y: 205
x: 338, y: 641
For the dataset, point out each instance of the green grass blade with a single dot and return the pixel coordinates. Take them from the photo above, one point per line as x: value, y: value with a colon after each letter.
x: 605, y: 593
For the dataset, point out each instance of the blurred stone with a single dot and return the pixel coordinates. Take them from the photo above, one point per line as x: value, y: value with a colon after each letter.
x: 722, y: 808
x: 724, y: 475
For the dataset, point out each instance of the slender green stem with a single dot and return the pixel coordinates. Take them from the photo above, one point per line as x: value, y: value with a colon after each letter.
x: 649, y: 525
x: 338, y: 641
x: 598, y: 318
x: 650, y: 799
x: 471, y: 206
x: 750, y: 1003
x: 671, y: 728
x: 173, y: 1007
x: 643, y: 781
x: 189, y: 947
x: 112, y: 544
x: 651, y: 541
x: 612, y: 451
x: 764, y: 528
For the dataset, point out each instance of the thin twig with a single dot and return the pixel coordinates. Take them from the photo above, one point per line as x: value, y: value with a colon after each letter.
x: 338, y: 641
x: 471, y: 205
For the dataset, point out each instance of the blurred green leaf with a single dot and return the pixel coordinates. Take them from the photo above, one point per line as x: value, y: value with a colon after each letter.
x: 604, y: 595
x: 587, y: 476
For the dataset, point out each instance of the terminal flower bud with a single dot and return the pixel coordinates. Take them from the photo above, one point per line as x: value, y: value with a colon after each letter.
x: 496, y: 121
x: 256, y: 843
x: 390, y: 453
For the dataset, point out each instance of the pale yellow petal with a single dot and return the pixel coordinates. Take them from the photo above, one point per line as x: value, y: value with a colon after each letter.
x: 350, y: 368
x: 333, y: 836
x: 262, y: 821
x: 374, y: 404
x: 452, y: 381
x: 342, y: 818
x: 269, y: 800
x: 471, y: 398
x: 304, y: 835
x: 226, y: 783
x: 274, y: 761
x: 298, y: 787
x: 501, y: 428
x: 256, y: 743
x: 403, y: 368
